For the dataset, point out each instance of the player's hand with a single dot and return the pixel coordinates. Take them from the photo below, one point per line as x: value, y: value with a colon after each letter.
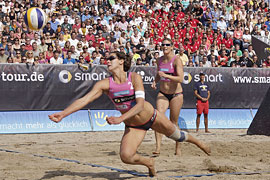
x: 154, y: 85
x: 56, y: 117
x: 204, y: 99
x: 161, y: 74
x: 114, y: 120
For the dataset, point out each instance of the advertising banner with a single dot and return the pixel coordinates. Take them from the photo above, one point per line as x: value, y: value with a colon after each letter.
x: 38, y: 122
x: 98, y: 118
x: 218, y: 118
x: 54, y: 87
x: 233, y: 88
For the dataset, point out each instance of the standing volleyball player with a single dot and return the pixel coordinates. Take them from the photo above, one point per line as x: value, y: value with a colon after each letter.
x: 170, y: 75
x: 127, y: 93
x: 202, y: 93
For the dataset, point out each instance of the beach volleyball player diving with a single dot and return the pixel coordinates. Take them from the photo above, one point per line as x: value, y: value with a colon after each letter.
x: 126, y: 91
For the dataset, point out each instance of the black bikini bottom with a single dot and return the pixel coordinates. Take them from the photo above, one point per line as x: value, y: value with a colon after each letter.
x: 170, y: 96
x: 146, y: 126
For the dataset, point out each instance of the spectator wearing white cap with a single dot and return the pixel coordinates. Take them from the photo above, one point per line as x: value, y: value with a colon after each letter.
x: 222, y: 25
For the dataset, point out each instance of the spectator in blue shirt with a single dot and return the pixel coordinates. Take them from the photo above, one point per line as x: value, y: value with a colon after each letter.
x: 267, y: 23
x: 54, y: 23
x: 69, y: 60
x: 86, y: 15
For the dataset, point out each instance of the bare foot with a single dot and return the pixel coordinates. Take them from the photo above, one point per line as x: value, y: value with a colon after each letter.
x: 156, y: 153
x: 207, y: 132
x: 151, y: 168
x: 205, y: 148
x: 199, y: 144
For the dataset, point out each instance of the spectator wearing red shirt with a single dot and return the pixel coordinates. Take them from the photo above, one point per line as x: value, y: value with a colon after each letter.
x: 267, y: 62
x: 101, y: 38
x: 210, y: 35
x: 193, y: 22
x: 238, y: 35
x: 157, y: 39
x: 28, y: 45
x: 228, y: 41
x: 189, y: 30
x: 165, y: 20
x: 180, y: 14
x: 194, y: 46
x: 200, y: 31
x: 171, y: 29
x: 90, y: 35
x: 131, y: 12
x: 160, y: 30
x: 186, y: 46
x: 96, y: 41
x: 77, y: 24
x: 176, y: 40
x: 223, y: 59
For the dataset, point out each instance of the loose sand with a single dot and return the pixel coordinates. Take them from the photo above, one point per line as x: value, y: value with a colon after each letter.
x: 232, y: 151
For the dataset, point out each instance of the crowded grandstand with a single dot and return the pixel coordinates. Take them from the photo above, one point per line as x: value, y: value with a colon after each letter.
x: 204, y: 33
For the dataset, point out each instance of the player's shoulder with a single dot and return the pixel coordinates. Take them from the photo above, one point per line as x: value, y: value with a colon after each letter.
x: 103, y: 84
x: 134, y: 75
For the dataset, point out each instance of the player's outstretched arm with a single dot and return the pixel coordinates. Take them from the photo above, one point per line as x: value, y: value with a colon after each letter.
x: 95, y: 93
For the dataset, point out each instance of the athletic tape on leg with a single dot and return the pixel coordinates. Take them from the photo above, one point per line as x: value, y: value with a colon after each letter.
x: 179, y: 136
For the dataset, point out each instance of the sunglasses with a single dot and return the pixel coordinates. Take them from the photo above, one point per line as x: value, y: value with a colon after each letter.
x: 111, y: 58
x: 168, y: 45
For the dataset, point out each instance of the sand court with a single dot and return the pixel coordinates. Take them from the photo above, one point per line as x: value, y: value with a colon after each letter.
x: 95, y: 155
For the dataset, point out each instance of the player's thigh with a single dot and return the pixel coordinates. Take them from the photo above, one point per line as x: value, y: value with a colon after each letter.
x: 175, y: 107
x: 162, y: 103
x: 131, y: 140
x: 163, y: 125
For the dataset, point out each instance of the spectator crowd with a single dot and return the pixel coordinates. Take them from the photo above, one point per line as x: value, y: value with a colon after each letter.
x: 215, y: 33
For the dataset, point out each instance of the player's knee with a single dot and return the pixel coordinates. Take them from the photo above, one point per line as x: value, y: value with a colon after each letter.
x: 125, y: 156
x: 179, y: 136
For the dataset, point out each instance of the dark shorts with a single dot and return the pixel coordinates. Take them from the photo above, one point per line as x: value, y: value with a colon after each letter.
x: 170, y: 96
x: 202, y: 107
x: 146, y: 126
